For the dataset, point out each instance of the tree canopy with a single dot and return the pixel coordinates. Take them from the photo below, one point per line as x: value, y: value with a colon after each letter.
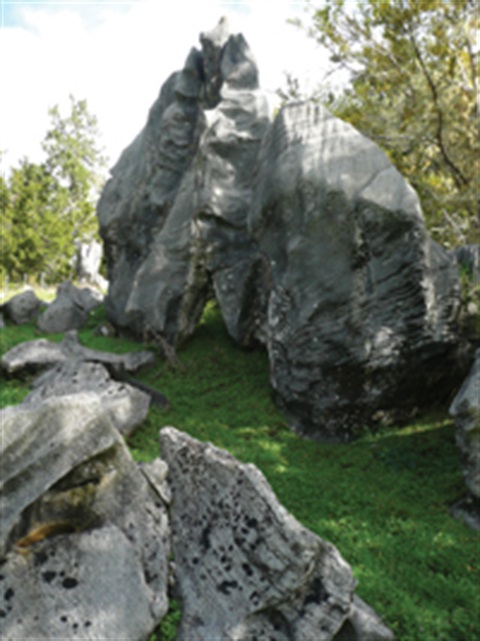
x: 47, y: 207
x: 413, y: 69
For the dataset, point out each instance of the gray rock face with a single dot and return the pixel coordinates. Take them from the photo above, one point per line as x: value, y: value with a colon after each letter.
x: 89, y: 258
x: 465, y: 410
x: 128, y: 406
x: 84, y: 541
x: 22, y: 308
x: 250, y: 570
x: 364, y: 305
x: 41, y: 354
x: 70, y: 308
x: 173, y: 216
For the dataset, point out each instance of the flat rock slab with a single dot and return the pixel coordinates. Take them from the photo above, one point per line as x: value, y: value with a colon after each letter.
x: 85, y: 539
x: 250, y: 570
x: 41, y: 354
x: 128, y: 405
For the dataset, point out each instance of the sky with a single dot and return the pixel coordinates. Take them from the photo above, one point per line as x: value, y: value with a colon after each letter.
x: 116, y: 55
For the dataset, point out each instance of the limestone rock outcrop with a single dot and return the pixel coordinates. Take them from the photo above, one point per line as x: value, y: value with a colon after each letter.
x: 84, y: 542
x: 173, y: 216
x: 362, y: 316
x: 310, y: 240
x: 250, y: 570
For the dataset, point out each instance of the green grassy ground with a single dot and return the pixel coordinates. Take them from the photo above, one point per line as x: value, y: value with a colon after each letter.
x: 382, y: 500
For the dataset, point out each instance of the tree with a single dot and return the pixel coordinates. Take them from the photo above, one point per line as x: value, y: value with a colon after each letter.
x: 413, y: 68
x: 75, y: 162
x: 34, y: 241
x: 47, y: 207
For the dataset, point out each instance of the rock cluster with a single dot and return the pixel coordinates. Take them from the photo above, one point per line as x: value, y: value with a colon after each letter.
x: 68, y: 311
x: 309, y: 239
x: 87, y: 536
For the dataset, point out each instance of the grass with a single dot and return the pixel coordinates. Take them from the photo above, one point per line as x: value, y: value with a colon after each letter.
x: 382, y: 500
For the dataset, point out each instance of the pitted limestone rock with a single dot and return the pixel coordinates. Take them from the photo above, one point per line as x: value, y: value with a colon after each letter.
x: 85, y: 540
x: 250, y: 569
x: 127, y: 404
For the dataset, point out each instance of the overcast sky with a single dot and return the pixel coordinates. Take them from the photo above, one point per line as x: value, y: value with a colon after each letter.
x: 116, y: 55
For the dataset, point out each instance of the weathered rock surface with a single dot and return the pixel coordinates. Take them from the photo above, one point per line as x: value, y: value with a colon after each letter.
x: 41, y: 354
x: 250, y: 570
x: 173, y: 216
x: 128, y: 406
x: 89, y: 258
x: 363, y: 312
x: 22, y: 308
x: 465, y: 410
x: 70, y: 308
x: 84, y: 540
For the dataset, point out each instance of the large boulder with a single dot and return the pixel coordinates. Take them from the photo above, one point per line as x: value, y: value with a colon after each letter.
x: 84, y: 543
x: 250, y: 570
x: 173, y: 216
x: 22, y: 308
x: 363, y: 312
x: 70, y: 308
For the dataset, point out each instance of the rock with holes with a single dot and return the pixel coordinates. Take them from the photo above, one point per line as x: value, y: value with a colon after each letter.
x: 250, y: 570
x: 173, y: 216
x: 128, y: 405
x: 85, y: 541
x: 70, y: 308
x: 41, y: 354
x: 465, y: 410
x: 22, y: 308
x: 364, y: 306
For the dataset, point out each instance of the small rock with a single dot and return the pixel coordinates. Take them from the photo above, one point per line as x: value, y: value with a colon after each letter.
x: 22, y: 308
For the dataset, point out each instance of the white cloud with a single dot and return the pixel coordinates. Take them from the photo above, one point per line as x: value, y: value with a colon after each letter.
x: 118, y: 56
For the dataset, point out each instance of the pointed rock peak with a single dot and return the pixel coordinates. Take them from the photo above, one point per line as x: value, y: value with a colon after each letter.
x: 218, y: 36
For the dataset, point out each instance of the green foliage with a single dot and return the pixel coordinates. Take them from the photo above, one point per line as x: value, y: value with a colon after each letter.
x: 413, y: 66
x: 47, y: 207
x: 74, y: 161
x: 382, y: 500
